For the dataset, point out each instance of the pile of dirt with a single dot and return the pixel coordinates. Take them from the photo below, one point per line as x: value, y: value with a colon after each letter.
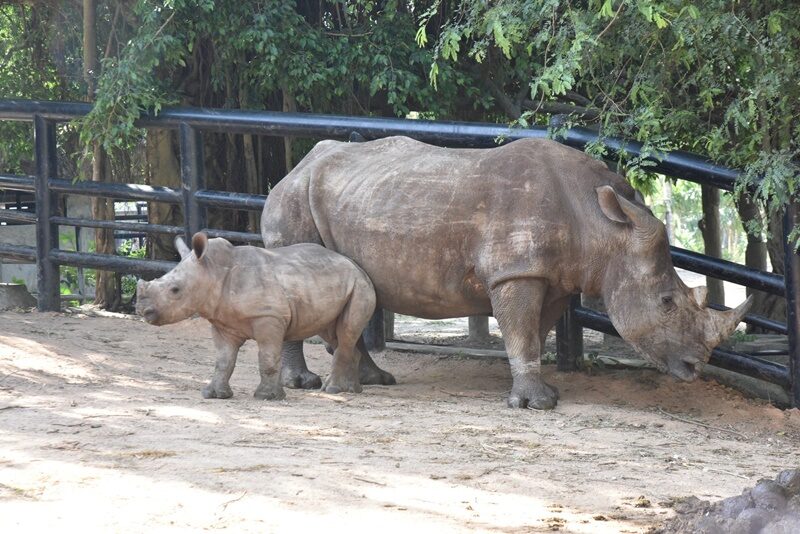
x: 770, y: 507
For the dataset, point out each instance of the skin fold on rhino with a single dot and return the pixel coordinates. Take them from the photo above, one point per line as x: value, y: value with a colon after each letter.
x: 513, y: 231
x: 287, y: 293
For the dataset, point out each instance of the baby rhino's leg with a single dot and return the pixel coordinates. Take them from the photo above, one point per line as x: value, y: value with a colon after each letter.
x: 349, y: 325
x: 227, y: 350
x: 269, y: 335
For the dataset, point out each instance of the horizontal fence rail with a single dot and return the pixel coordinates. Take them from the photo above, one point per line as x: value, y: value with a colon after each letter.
x: 194, y: 199
x: 462, y: 134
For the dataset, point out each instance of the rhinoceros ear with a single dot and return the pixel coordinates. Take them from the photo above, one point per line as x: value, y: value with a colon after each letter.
x: 620, y: 209
x: 609, y: 203
x: 199, y: 244
x: 181, y: 247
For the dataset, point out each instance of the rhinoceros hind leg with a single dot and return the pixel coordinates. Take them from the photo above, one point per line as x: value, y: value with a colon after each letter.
x: 342, y: 380
x: 294, y: 372
x: 269, y: 391
x: 535, y: 394
x: 517, y: 305
x: 212, y: 391
x: 369, y: 371
x: 344, y: 372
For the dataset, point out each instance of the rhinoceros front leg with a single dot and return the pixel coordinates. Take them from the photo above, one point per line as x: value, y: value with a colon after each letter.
x: 294, y: 372
x: 517, y: 306
x: 269, y: 336
x: 227, y: 350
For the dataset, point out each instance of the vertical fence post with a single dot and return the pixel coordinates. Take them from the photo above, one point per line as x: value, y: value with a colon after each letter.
x: 48, y: 277
x: 792, y: 279
x: 569, y: 338
x: 194, y: 215
x: 375, y: 332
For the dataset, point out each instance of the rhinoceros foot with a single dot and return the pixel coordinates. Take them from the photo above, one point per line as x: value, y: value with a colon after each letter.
x: 340, y: 384
x: 376, y: 376
x: 300, y: 379
x: 269, y: 391
x: 532, y: 393
x: 216, y: 391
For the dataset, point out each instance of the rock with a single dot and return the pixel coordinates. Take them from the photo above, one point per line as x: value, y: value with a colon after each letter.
x: 789, y: 479
x: 752, y: 520
x: 711, y: 525
x: 769, y: 495
x: 690, y: 505
x: 771, y: 507
x: 793, y: 505
x: 787, y: 525
x: 733, y: 506
x: 14, y: 296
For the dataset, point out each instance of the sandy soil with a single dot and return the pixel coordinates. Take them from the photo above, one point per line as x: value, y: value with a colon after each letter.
x: 102, y: 428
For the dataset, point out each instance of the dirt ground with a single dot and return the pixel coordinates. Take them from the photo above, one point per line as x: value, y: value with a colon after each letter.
x: 102, y: 428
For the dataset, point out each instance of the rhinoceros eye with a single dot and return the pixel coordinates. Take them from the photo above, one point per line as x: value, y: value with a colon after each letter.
x: 174, y: 290
x: 667, y: 300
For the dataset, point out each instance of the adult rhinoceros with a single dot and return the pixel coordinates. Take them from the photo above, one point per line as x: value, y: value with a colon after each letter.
x: 513, y: 231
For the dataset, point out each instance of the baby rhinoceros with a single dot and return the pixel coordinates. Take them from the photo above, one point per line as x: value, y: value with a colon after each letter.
x: 271, y: 296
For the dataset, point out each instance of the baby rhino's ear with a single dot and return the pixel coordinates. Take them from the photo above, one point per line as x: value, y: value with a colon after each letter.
x: 199, y: 244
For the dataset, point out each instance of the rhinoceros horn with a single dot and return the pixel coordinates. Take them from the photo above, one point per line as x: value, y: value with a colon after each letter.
x: 180, y: 246
x: 700, y: 295
x: 723, y: 323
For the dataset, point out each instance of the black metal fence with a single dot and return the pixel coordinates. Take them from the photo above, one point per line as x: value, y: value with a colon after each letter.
x: 194, y: 198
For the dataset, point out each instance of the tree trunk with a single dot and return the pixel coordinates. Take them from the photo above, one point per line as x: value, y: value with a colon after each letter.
x: 774, y: 306
x: 107, y: 293
x: 388, y: 325
x: 252, y: 182
x: 668, y: 210
x: 755, y: 255
x: 712, y: 238
x: 107, y: 290
x: 163, y: 169
x: 289, y: 106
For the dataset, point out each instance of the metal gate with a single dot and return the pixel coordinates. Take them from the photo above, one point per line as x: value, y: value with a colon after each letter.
x: 194, y: 198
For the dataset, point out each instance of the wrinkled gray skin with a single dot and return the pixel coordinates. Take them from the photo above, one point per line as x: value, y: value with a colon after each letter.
x: 513, y: 230
x: 270, y: 296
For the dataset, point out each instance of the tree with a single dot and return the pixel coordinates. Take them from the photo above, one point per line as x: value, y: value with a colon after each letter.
x: 714, y: 77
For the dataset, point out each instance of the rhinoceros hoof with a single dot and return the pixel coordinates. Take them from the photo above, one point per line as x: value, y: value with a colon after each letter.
x: 333, y: 385
x: 300, y: 380
x: 269, y: 392
x: 377, y: 377
x: 533, y: 394
x: 211, y: 391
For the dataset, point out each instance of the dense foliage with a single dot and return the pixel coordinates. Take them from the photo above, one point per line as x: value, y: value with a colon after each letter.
x: 349, y: 57
x: 715, y: 77
x: 34, y: 63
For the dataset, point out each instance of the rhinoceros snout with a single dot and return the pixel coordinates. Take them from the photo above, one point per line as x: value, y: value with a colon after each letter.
x: 150, y: 315
x: 687, y: 368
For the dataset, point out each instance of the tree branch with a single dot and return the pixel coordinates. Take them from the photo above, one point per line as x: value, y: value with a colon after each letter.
x: 511, y: 108
x: 562, y: 108
x: 611, y: 22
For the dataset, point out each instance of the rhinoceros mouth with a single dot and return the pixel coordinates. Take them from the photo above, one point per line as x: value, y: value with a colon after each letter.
x: 687, y: 368
x: 150, y: 315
